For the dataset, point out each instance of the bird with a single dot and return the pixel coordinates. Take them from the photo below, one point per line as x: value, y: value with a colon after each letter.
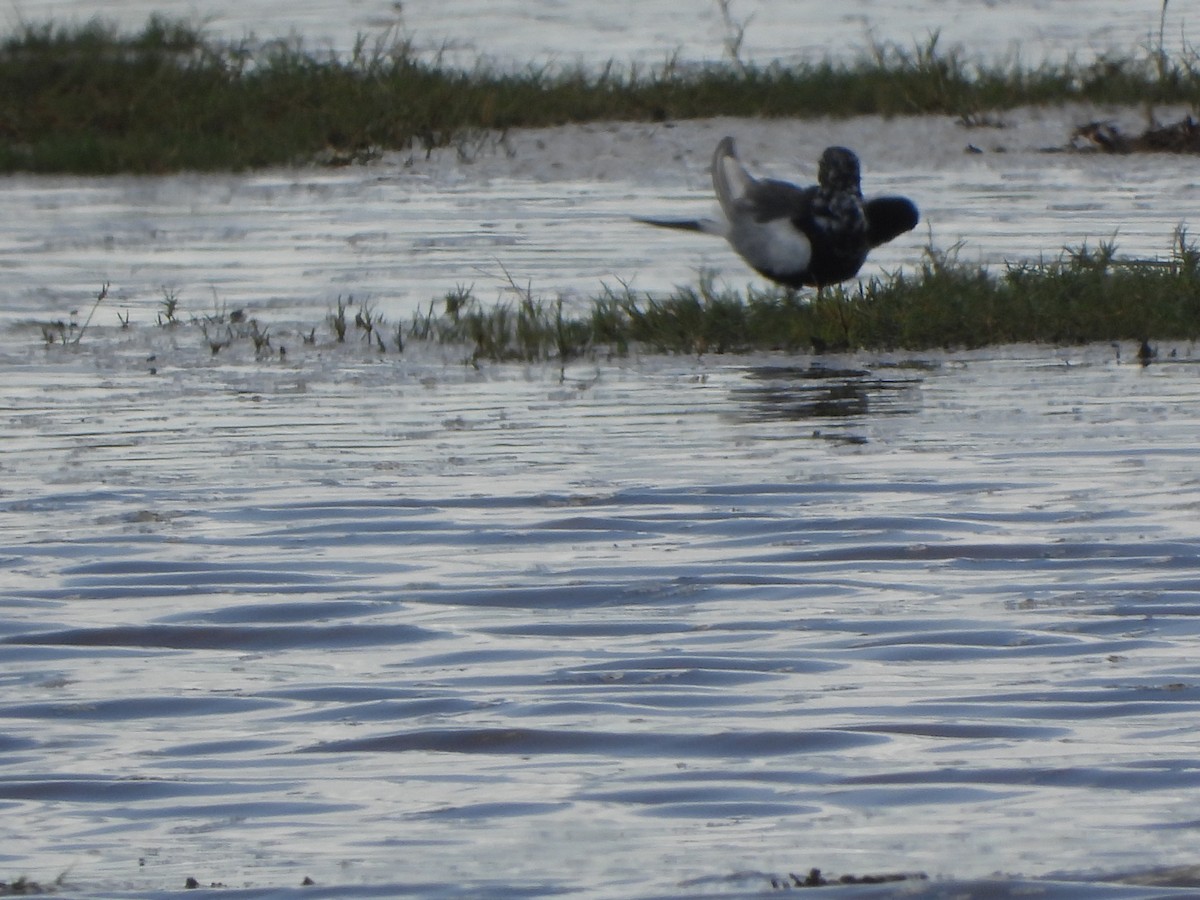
x: 799, y: 236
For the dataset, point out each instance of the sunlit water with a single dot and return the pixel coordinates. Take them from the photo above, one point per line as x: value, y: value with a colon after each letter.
x: 642, y: 627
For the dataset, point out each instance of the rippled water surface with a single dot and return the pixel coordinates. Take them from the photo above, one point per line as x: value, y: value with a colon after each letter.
x: 641, y: 627
x: 657, y: 628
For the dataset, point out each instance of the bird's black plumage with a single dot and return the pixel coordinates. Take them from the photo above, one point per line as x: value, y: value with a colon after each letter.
x: 800, y: 236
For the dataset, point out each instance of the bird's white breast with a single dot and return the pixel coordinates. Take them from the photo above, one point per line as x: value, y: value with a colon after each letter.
x: 774, y: 246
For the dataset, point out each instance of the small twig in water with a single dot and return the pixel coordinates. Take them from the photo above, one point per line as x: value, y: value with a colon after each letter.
x: 103, y: 293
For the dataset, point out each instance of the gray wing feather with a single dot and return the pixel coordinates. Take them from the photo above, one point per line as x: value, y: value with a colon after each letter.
x: 742, y: 196
x: 730, y: 178
x: 768, y: 200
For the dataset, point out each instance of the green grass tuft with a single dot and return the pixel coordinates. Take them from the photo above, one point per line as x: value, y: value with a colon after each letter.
x: 1086, y: 294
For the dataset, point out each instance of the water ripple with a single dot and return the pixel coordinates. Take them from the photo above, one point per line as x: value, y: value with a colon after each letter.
x: 645, y: 616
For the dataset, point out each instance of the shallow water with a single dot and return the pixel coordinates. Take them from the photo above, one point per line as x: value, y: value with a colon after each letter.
x: 636, y: 628
x: 518, y: 33
x: 657, y: 628
x: 548, y: 212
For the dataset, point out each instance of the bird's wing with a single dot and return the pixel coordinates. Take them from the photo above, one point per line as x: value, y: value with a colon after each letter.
x: 888, y: 218
x: 768, y: 200
x: 745, y: 198
x: 730, y: 178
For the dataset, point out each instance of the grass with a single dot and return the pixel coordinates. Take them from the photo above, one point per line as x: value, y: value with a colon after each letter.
x: 1083, y: 295
x: 22, y: 886
x: 1086, y: 294
x: 92, y: 100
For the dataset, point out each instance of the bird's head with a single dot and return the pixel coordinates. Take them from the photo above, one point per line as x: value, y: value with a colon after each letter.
x: 838, y: 171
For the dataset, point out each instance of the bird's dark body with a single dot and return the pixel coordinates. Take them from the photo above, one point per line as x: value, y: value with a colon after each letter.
x: 835, y: 255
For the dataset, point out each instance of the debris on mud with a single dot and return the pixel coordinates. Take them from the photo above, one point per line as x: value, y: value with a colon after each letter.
x: 1107, y: 137
x: 814, y: 878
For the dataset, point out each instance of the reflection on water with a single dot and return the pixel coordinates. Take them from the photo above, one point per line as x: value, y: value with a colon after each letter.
x: 840, y: 397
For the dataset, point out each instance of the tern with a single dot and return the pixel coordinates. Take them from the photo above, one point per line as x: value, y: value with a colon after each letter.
x: 799, y: 236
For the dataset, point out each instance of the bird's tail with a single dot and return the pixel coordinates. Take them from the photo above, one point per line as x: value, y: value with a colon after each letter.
x: 705, y: 226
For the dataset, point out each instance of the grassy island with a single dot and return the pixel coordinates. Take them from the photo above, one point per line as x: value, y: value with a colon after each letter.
x: 92, y: 100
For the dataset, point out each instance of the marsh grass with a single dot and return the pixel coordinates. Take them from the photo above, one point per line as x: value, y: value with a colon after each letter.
x: 1086, y: 294
x: 168, y: 308
x: 24, y: 887
x: 92, y: 100
x: 337, y: 319
x: 72, y: 333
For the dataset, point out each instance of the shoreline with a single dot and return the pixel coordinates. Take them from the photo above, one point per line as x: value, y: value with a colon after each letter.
x: 677, y: 153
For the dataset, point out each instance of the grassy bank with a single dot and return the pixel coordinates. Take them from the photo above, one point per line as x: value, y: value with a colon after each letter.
x: 1084, y: 295
x: 93, y: 100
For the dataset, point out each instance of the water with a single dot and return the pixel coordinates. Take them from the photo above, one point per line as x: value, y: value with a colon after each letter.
x: 550, y: 211
x: 652, y: 627
x: 558, y: 32
x: 662, y: 626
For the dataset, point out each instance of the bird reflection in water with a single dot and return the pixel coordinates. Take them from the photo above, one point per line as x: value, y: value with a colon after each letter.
x: 838, y: 397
